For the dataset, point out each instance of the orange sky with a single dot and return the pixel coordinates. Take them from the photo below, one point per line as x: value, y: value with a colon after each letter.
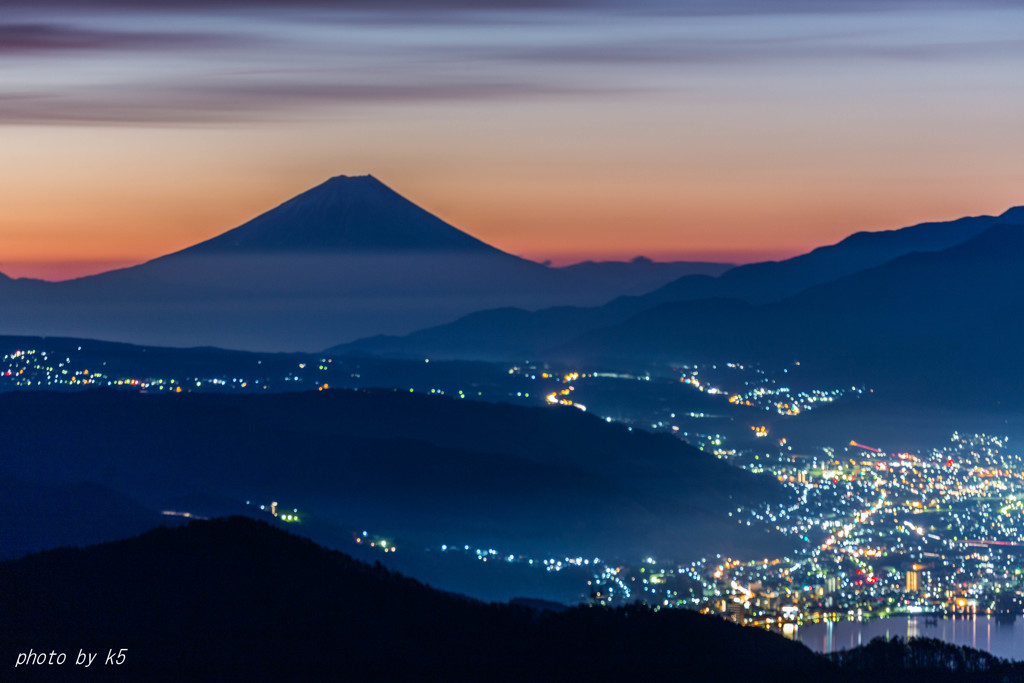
x: 572, y: 134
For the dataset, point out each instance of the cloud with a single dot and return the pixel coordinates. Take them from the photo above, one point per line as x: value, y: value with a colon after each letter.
x: 189, y: 62
x: 422, y: 7
x: 742, y: 50
x: 217, y: 5
x: 35, y: 38
x: 233, y: 102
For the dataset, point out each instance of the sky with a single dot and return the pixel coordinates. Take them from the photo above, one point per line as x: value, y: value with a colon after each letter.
x: 730, y: 130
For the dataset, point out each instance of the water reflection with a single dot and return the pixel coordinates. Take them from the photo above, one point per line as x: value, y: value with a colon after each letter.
x: 1003, y: 638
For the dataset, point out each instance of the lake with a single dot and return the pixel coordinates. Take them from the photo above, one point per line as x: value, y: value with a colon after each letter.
x: 1003, y: 638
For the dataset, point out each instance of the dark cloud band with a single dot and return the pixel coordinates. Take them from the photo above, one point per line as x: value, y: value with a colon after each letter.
x: 231, y: 103
x: 678, y: 7
x: 42, y: 38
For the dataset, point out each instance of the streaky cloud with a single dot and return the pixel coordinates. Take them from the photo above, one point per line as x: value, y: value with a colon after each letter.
x: 678, y: 7
x: 35, y: 38
x: 233, y: 102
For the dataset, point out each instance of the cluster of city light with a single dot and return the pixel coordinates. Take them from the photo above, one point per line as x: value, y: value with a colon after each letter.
x: 786, y: 401
x: 375, y: 541
x: 868, y: 542
x: 275, y: 510
x: 881, y: 533
x: 42, y: 369
x: 38, y: 369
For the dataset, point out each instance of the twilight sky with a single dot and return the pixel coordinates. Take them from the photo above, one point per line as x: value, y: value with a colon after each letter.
x: 701, y: 129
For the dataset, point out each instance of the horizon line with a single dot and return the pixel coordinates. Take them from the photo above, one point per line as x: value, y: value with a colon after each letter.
x: 62, y: 270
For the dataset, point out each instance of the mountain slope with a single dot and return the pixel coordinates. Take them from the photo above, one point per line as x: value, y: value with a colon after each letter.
x: 774, y: 280
x: 518, y: 333
x: 344, y: 213
x: 538, y: 479
x: 42, y: 516
x: 640, y: 275
x: 933, y: 326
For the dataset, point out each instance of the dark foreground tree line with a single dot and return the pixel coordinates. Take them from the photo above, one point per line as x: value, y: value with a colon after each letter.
x: 235, y: 599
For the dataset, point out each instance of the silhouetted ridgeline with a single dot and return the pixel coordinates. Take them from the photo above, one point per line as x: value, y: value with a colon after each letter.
x: 235, y: 599
x: 939, y: 326
x: 927, y: 660
x: 534, y: 479
x: 231, y: 598
x: 515, y: 333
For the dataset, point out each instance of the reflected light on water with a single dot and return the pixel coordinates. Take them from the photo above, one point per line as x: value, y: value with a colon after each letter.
x: 1003, y: 638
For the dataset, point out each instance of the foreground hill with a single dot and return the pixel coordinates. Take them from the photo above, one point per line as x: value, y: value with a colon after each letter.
x: 430, y: 468
x: 235, y: 599
x: 345, y: 259
x: 516, y: 333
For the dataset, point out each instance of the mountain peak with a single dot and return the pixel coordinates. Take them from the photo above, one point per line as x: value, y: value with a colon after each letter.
x: 352, y: 182
x: 342, y: 177
x: 348, y: 214
x: 1013, y: 215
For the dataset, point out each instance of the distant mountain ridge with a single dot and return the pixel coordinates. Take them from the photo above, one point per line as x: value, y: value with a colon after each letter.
x: 938, y: 326
x: 773, y: 280
x: 510, y: 333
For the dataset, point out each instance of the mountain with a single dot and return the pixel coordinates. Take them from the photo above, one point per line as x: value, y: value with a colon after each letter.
x: 928, y: 326
x: 640, y: 275
x: 235, y: 599
x: 516, y: 333
x: 343, y: 214
x: 346, y: 259
x: 544, y: 479
x: 41, y: 516
x: 507, y: 333
x: 775, y: 280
